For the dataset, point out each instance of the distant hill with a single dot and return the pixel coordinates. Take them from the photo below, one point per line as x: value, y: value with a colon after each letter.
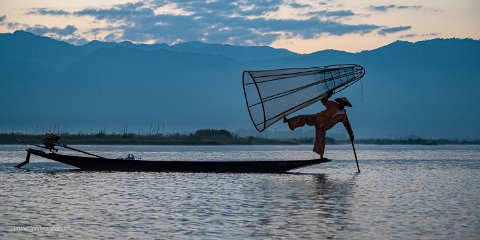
x: 235, y: 52
x: 427, y: 88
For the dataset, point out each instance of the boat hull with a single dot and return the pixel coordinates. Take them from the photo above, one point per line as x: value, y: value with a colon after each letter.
x: 105, y: 164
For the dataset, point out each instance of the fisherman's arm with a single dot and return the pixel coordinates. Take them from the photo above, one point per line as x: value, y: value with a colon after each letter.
x: 327, y: 102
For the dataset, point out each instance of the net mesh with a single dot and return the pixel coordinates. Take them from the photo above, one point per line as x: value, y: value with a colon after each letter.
x: 272, y: 94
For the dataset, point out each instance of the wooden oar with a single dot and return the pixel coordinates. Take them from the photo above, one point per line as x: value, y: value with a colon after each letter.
x: 78, y: 150
x: 36, y: 145
x: 355, y: 153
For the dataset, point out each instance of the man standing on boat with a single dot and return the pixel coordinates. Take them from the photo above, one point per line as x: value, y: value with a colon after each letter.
x: 334, y: 113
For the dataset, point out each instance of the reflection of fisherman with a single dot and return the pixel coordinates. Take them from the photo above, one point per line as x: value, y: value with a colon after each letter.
x: 324, y: 120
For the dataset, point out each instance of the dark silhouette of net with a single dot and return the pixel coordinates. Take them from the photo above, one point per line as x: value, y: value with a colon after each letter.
x: 272, y: 94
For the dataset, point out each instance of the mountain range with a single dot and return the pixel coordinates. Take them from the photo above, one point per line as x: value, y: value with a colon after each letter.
x: 427, y: 88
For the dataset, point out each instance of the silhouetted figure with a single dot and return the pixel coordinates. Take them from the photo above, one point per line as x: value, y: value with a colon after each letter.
x: 334, y: 113
x: 50, y: 141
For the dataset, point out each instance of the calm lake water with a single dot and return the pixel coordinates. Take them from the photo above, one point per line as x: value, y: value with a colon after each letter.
x: 406, y: 192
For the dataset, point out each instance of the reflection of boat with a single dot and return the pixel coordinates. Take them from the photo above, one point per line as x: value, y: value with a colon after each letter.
x: 106, y: 164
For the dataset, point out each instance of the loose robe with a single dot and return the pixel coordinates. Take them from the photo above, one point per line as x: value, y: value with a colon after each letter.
x: 322, y: 121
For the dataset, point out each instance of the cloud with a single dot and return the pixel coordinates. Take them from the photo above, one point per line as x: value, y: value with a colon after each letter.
x: 339, y: 13
x: 77, y: 40
x: 43, y: 30
x: 409, y: 7
x: 234, y: 22
x: 386, y: 8
x: 233, y: 30
x: 412, y: 35
x: 67, y: 33
x: 226, y: 8
x: 15, y: 25
x: 120, y: 12
x: 385, y: 31
x: 45, y: 11
x: 382, y: 8
x: 299, y: 5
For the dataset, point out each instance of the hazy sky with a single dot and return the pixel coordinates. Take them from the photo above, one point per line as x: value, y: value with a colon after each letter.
x: 299, y: 25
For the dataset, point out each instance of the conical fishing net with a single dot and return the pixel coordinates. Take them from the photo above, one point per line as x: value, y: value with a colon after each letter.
x: 272, y: 94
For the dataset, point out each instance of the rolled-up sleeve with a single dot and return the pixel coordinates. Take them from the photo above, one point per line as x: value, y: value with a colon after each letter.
x: 327, y: 103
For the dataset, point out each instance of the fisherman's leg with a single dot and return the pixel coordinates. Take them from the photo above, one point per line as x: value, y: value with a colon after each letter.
x: 319, y: 146
x: 300, y: 121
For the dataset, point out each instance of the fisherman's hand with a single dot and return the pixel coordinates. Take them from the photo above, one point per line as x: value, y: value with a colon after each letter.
x: 329, y: 93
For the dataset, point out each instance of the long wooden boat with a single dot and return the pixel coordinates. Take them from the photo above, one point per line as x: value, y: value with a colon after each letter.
x: 106, y: 164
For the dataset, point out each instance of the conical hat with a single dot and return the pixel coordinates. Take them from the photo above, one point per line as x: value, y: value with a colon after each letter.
x: 344, y: 101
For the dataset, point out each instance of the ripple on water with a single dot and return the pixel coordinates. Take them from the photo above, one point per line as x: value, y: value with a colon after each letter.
x: 402, y: 192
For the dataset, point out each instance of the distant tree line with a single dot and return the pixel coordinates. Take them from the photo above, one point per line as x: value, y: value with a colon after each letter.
x: 200, y: 137
x: 207, y: 137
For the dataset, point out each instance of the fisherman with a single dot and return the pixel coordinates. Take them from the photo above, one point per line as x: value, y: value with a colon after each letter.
x: 334, y: 113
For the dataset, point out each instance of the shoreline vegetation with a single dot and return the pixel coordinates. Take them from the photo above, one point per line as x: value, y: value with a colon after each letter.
x: 210, y: 137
